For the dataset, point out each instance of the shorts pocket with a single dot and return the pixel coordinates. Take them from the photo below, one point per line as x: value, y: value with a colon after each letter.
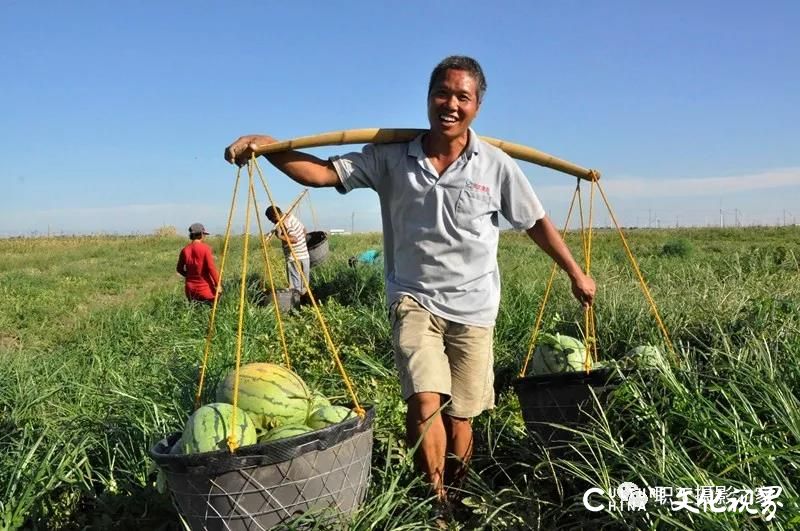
x: 394, y: 309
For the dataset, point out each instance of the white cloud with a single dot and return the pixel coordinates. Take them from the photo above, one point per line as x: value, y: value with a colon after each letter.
x: 119, y: 218
x: 753, y: 198
x: 638, y: 187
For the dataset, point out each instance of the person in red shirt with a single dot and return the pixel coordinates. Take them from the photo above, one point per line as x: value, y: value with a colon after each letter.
x: 196, y: 265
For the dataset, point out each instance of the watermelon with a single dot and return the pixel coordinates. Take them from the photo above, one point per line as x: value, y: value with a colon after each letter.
x: 644, y: 356
x: 328, y: 415
x: 317, y: 401
x: 207, y: 429
x: 558, y: 353
x: 284, y: 432
x: 271, y: 394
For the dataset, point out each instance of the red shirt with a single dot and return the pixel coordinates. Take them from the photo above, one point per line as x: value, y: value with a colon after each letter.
x: 196, y: 263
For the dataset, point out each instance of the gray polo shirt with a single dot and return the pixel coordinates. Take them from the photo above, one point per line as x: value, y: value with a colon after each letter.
x: 440, y: 232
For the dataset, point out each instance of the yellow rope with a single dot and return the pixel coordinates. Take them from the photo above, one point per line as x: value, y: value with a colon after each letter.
x: 276, y: 306
x: 538, y: 324
x: 331, y: 346
x: 587, y: 332
x: 313, y: 213
x: 233, y: 443
x: 210, y: 332
x: 580, y: 218
x: 642, y: 282
x: 271, y: 283
x: 591, y: 227
x: 589, y: 321
x: 590, y: 310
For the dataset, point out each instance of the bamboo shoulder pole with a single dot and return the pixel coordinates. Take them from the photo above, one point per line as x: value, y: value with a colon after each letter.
x: 289, y: 211
x: 386, y: 136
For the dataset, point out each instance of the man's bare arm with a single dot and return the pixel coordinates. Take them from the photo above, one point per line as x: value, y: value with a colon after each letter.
x: 546, y: 236
x: 303, y: 168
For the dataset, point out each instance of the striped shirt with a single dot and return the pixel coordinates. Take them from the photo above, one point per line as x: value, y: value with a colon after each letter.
x: 297, y: 233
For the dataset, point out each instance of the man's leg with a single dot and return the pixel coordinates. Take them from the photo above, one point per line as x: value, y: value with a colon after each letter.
x: 306, y: 263
x: 424, y: 420
x: 459, y: 449
x: 469, y: 350
x: 417, y: 337
x: 295, y: 282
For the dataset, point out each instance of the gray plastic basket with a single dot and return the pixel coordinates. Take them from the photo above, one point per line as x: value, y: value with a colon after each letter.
x: 288, y: 299
x: 318, y: 248
x: 550, y: 403
x: 264, y: 485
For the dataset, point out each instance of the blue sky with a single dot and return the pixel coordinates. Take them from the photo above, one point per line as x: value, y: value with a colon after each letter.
x: 115, y: 114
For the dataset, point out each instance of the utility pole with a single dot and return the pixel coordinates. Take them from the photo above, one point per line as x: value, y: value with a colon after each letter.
x: 353, y: 222
x: 721, y: 219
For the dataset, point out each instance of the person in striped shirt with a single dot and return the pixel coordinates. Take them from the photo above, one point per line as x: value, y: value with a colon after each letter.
x: 294, y: 239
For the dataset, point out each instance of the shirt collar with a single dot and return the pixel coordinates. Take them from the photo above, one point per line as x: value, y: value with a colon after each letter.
x: 473, y: 147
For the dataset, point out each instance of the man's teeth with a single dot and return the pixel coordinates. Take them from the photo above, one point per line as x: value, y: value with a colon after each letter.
x: 445, y: 118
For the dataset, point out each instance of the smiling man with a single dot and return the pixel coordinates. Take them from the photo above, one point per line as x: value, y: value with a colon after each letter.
x: 440, y: 197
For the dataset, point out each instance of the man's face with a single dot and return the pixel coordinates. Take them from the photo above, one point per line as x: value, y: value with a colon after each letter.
x: 453, y: 103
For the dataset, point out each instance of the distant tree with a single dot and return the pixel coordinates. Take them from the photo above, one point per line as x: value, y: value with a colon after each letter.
x: 166, y: 231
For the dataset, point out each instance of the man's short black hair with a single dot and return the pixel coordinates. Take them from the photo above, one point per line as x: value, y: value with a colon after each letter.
x: 460, y: 62
x: 273, y: 212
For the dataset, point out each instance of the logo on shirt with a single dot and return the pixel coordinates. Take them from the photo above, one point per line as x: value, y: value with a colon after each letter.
x: 477, y: 187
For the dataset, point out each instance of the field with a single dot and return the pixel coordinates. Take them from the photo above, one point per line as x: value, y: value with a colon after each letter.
x: 100, y: 351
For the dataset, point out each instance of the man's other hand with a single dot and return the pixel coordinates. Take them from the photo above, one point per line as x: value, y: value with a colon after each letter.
x: 584, y: 289
x: 241, y: 150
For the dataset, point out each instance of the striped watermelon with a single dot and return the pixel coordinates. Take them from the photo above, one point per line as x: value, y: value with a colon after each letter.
x: 644, y: 356
x: 208, y: 429
x: 317, y: 401
x: 284, y: 432
x: 271, y: 394
x: 328, y: 415
x: 558, y: 353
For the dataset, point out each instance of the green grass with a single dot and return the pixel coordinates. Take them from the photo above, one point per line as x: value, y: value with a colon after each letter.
x: 100, y: 355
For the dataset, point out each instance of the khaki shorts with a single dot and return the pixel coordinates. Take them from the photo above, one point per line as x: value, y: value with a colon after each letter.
x: 440, y: 356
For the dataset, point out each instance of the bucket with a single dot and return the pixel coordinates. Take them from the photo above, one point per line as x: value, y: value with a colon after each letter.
x: 264, y: 485
x: 317, y: 243
x: 564, y: 399
x: 288, y: 298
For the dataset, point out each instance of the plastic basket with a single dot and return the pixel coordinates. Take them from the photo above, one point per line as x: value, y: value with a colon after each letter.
x: 264, y: 485
x: 287, y: 299
x: 318, y: 247
x: 552, y: 402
